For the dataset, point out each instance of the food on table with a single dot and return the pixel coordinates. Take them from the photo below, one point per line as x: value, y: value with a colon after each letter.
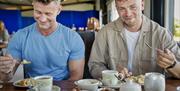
x: 25, y: 82
x: 138, y: 79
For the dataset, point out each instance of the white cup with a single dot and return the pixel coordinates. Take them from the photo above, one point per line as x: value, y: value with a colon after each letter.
x: 154, y: 82
x: 130, y: 86
x: 44, y: 83
x: 108, y: 77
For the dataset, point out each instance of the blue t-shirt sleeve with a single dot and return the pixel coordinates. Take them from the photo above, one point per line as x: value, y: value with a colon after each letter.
x: 15, y: 46
x: 77, y: 47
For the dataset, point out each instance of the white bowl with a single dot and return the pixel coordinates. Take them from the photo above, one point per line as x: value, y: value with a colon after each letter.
x: 88, y: 84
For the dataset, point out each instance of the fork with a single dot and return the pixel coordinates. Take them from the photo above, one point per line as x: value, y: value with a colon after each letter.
x: 150, y: 46
x: 162, y: 48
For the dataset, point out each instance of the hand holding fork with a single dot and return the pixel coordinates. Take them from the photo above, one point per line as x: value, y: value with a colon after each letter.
x: 165, y: 58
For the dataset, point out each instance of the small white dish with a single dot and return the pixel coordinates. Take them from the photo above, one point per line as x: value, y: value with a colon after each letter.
x: 54, y: 88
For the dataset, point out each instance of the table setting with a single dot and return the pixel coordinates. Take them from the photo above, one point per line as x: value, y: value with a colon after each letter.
x: 38, y: 83
x: 171, y: 84
x: 111, y: 81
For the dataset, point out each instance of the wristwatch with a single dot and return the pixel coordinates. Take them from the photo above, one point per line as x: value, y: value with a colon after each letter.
x: 171, y: 66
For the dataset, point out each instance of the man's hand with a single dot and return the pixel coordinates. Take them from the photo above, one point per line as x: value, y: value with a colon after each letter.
x: 123, y: 71
x: 7, y: 63
x: 165, y: 58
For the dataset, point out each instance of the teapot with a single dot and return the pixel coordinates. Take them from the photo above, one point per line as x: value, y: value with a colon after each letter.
x: 130, y: 86
x: 154, y: 82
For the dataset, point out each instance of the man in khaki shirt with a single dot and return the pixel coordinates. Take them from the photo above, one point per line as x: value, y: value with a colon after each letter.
x: 133, y: 44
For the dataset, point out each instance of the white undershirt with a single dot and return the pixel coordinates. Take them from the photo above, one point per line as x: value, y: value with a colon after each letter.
x: 131, y: 39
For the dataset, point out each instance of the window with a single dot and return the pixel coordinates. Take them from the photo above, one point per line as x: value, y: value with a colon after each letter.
x: 177, y: 20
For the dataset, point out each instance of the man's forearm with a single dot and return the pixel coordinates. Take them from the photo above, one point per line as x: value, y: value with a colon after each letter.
x: 75, y: 76
x: 175, y: 71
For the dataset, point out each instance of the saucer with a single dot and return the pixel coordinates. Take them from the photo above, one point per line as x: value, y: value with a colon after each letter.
x: 54, y: 88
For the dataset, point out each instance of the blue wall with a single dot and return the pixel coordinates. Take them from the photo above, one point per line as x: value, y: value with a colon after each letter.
x: 27, y: 21
x: 14, y: 21
x: 68, y: 18
x: 78, y: 18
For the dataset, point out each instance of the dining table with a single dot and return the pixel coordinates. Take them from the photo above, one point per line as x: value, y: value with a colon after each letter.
x: 67, y: 85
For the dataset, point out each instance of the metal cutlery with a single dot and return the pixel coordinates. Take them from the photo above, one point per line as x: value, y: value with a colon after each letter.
x: 120, y: 78
x: 162, y: 48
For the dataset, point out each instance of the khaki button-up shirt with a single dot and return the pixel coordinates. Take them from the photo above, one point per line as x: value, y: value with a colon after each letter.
x: 110, y: 48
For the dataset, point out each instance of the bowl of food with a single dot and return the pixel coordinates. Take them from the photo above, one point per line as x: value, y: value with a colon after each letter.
x: 88, y: 84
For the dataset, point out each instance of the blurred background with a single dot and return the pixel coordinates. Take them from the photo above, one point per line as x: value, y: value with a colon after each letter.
x: 81, y: 14
x: 87, y: 17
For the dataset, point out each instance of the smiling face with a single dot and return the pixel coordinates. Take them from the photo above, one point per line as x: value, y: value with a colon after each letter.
x: 130, y: 11
x: 45, y: 14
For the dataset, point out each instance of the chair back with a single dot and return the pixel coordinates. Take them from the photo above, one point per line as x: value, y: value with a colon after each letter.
x: 88, y: 38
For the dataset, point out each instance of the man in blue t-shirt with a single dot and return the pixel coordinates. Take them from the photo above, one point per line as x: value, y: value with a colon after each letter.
x: 52, y: 48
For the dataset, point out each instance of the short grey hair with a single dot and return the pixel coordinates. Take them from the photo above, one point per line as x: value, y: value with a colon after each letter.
x: 47, y: 1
